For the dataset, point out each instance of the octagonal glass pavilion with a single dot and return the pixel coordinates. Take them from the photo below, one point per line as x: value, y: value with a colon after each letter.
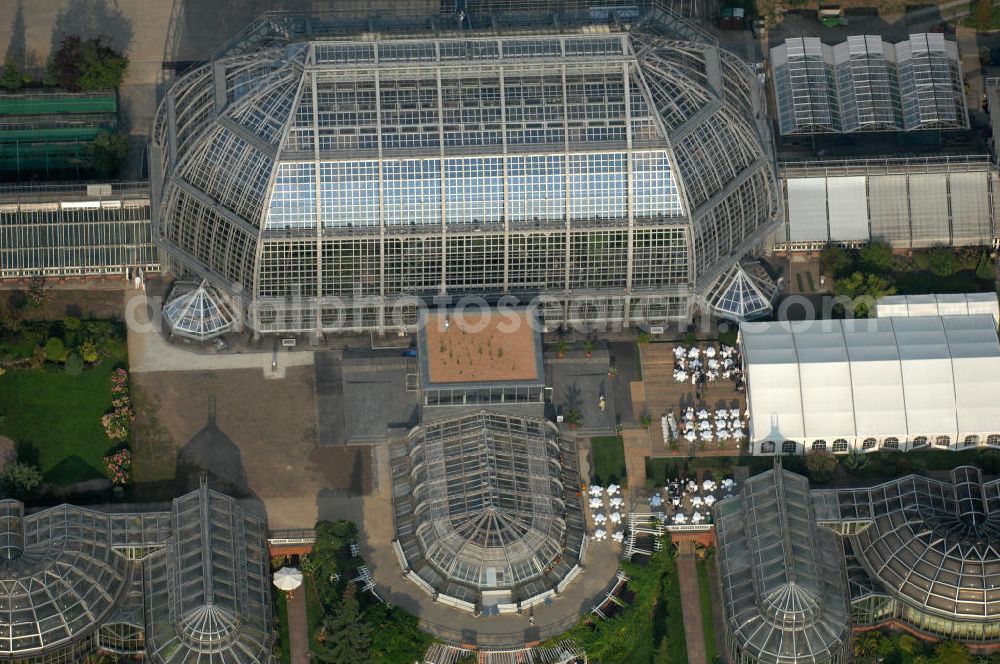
x: 485, y: 508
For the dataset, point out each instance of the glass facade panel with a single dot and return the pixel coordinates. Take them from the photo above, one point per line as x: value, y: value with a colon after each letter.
x: 349, y: 193
x: 536, y: 188
x: 597, y: 186
x: 655, y: 193
x: 412, y: 190
x: 293, y: 201
x: 473, y: 190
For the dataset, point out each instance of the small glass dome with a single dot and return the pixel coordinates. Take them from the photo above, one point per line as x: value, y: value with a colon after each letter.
x: 743, y: 292
x: 200, y: 313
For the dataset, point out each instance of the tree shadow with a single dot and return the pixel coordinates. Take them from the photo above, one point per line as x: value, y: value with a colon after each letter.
x: 72, y: 470
x: 90, y: 19
x: 213, y: 453
x: 17, y: 50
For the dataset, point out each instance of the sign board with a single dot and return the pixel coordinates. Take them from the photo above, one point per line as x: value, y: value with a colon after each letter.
x: 98, y: 190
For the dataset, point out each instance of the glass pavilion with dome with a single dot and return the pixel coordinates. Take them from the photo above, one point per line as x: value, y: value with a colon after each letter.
x: 331, y: 177
x: 189, y: 585
x: 782, y: 585
x: 486, y: 510
x: 924, y: 552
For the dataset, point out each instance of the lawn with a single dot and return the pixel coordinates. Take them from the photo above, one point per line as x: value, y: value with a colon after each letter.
x: 314, y: 610
x: 608, y: 456
x: 705, y: 599
x: 60, y: 415
x: 284, y: 640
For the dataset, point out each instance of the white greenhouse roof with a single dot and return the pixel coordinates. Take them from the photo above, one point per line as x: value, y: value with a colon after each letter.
x: 954, y: 304
x: 902, y: 377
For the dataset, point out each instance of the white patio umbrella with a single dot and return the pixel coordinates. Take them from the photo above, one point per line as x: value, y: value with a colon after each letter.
x: 612, y: 489
x: 734, y: 413
x: 707, y: 435
x: 655, y: 501
x: 704, y: 425
x: 679, y: 351
x: 709, y: 500
x: 708, y: 485
x: 600, y: 534
x: 694, y: 351
x: 696, y: 517
x: 616, y: 517
x: 617, y: 501
x: 691, y: 436
x: 595, y: 503
x: 702, y: 414
x: 679, y: 518
x: 618, y: 537
x: 600, y: 518
x: 287, y: 579
x: 710, y: 351
x: 696, y: 501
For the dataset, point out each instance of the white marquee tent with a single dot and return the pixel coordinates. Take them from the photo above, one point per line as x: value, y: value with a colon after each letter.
x: 896, y: 383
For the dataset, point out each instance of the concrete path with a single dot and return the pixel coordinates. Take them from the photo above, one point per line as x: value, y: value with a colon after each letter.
x: 149, y: 350
x: 687, y: 575
x: 298, y: 628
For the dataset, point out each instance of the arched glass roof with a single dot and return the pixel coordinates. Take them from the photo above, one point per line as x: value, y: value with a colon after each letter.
x: 314, y: 170
x: 489, y: 508
x: 56, y: 583
x: 933, y: 544
x: 782, y: 586
x: 208, y: 597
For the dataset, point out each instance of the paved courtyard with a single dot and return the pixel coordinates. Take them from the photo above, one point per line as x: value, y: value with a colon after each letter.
x: 254, y: 436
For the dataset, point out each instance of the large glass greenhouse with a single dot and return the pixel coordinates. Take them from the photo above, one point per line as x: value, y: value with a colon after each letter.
x: 487, y: 513
x: 189, y: 585
x: 922, y: 551
x: 783, y: 589
x: 331, y: 176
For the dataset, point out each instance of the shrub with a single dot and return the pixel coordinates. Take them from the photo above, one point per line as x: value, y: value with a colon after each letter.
x: 118, y: 466
x: 108, y: 152
x: 876, y: 257
x: 36, y: 294
x: 88, y: 351
x: 985, y: 269
x: 942, y: 261
x: 20, y: 480
x: 74, y: 365
x: 11, y: 77
x: 85, y: 65
x: 821, y: 465
x: 835, y: 260
x: 55, y: 350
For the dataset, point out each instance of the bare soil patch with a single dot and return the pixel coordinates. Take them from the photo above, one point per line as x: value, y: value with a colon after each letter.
x: 470, y: 349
